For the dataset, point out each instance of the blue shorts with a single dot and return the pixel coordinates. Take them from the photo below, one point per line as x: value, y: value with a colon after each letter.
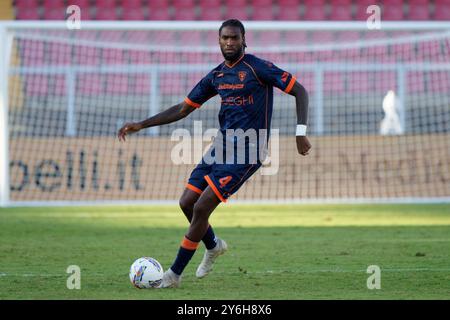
x: 224, y: 179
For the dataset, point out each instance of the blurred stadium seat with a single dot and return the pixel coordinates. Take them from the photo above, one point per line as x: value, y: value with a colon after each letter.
x: 193, y: 78
x: 27, y: 14
x: 210, y: 9
x: 141, y: 84
x: 333, y: 82
x: 83, y: 4
x: 55, y: 13
x: 290, y: 12
x: 88, y: 56
x: 59, y: 85
x: 263, y: 13
x: 165, y: 57
x: 415, y: 82
x: 323, y: 37
x: 392, y: 10
x: 159, y: 13
x: 269, y: 37
x: 113, y: 56
x: 307, y: 80
x: 36, y: 84
x: 337, y: 10
x: 340, y: 10
x: 384, y: 81
x: 358, y: 82
x: 183, y: 4
x: 26, y: 4
x: 376, y: 50
x: 103, y: 4
x: 402, y: 51
x: 110, y: 36
x: 157, y: 4
x: 164, y: 37
x: 241, y: 14
x: 116, y: 83
x: 158, y: 10
x: 106, y: 13
x: 193, y: 38
x: 295, y: 37
x: 361, y: 9
x: 211, y: 14
x: 132, y: 4
x: 33, y: 53
x: 193, y: 57
x: 349, y: 37
x: 171, y: 84
x: 235, y: 4
x: 60, y: 54
x: 137, y: 36
x: 419, y: 10
x: 442, y: 10
x: 438, y: 81
x: 210, y: 3
x: 89, y: 84
x: 429, y: 50
x: 139, y: 57
x: 53, y: 4
x: 236, y: 9
x: 260, y: 3
x: 134, y: 14
x: 189, y: 13
x: 288, y: 3
x: 211, y: 38
x: 314, y: 10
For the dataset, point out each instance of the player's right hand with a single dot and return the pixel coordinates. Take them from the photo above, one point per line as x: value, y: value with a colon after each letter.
x: 303, y: 145
x: 128, y: 128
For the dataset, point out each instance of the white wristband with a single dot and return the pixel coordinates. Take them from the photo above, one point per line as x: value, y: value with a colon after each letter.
x: 301, y: 130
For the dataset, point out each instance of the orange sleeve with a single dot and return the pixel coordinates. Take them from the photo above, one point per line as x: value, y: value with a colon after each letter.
x: 192, y: 103
x: 290, y: 85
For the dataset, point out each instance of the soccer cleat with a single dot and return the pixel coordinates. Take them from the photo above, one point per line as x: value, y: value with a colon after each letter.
x: 170, y: 280
x: 209, y: 257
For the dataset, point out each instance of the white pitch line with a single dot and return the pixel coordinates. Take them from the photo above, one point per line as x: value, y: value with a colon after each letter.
x: 250, y: 272
x: 339, y: 271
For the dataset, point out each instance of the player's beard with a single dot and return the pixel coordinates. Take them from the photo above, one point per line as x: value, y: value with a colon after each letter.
x: 232, y: 57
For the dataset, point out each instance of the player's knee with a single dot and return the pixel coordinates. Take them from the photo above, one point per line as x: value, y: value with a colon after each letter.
x: 186, y: 205
x: 200, y: 210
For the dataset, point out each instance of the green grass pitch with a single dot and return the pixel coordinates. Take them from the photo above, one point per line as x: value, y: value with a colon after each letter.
x: 275, y: 252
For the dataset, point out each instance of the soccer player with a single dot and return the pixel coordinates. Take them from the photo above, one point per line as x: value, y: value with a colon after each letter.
x: 245, y: 84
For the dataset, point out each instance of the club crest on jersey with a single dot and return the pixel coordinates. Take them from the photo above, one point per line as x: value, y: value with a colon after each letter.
x: 241, y: 75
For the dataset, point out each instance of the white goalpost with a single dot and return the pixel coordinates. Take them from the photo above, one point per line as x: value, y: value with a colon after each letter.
x: 4, y: 134
x: 379, y: 118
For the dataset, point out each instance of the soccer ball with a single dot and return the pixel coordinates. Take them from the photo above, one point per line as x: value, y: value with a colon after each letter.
x: 146, y: 273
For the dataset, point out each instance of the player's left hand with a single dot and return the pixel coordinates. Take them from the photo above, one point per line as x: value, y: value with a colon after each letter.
x: 303, y: 145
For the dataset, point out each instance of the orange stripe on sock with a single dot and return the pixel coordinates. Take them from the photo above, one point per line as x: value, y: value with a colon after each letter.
x: 188, y: 244
x: 194, y: 188
x: 216, y: 191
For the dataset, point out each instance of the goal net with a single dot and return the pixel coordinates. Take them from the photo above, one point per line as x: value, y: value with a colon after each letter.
x: 379, y: 115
